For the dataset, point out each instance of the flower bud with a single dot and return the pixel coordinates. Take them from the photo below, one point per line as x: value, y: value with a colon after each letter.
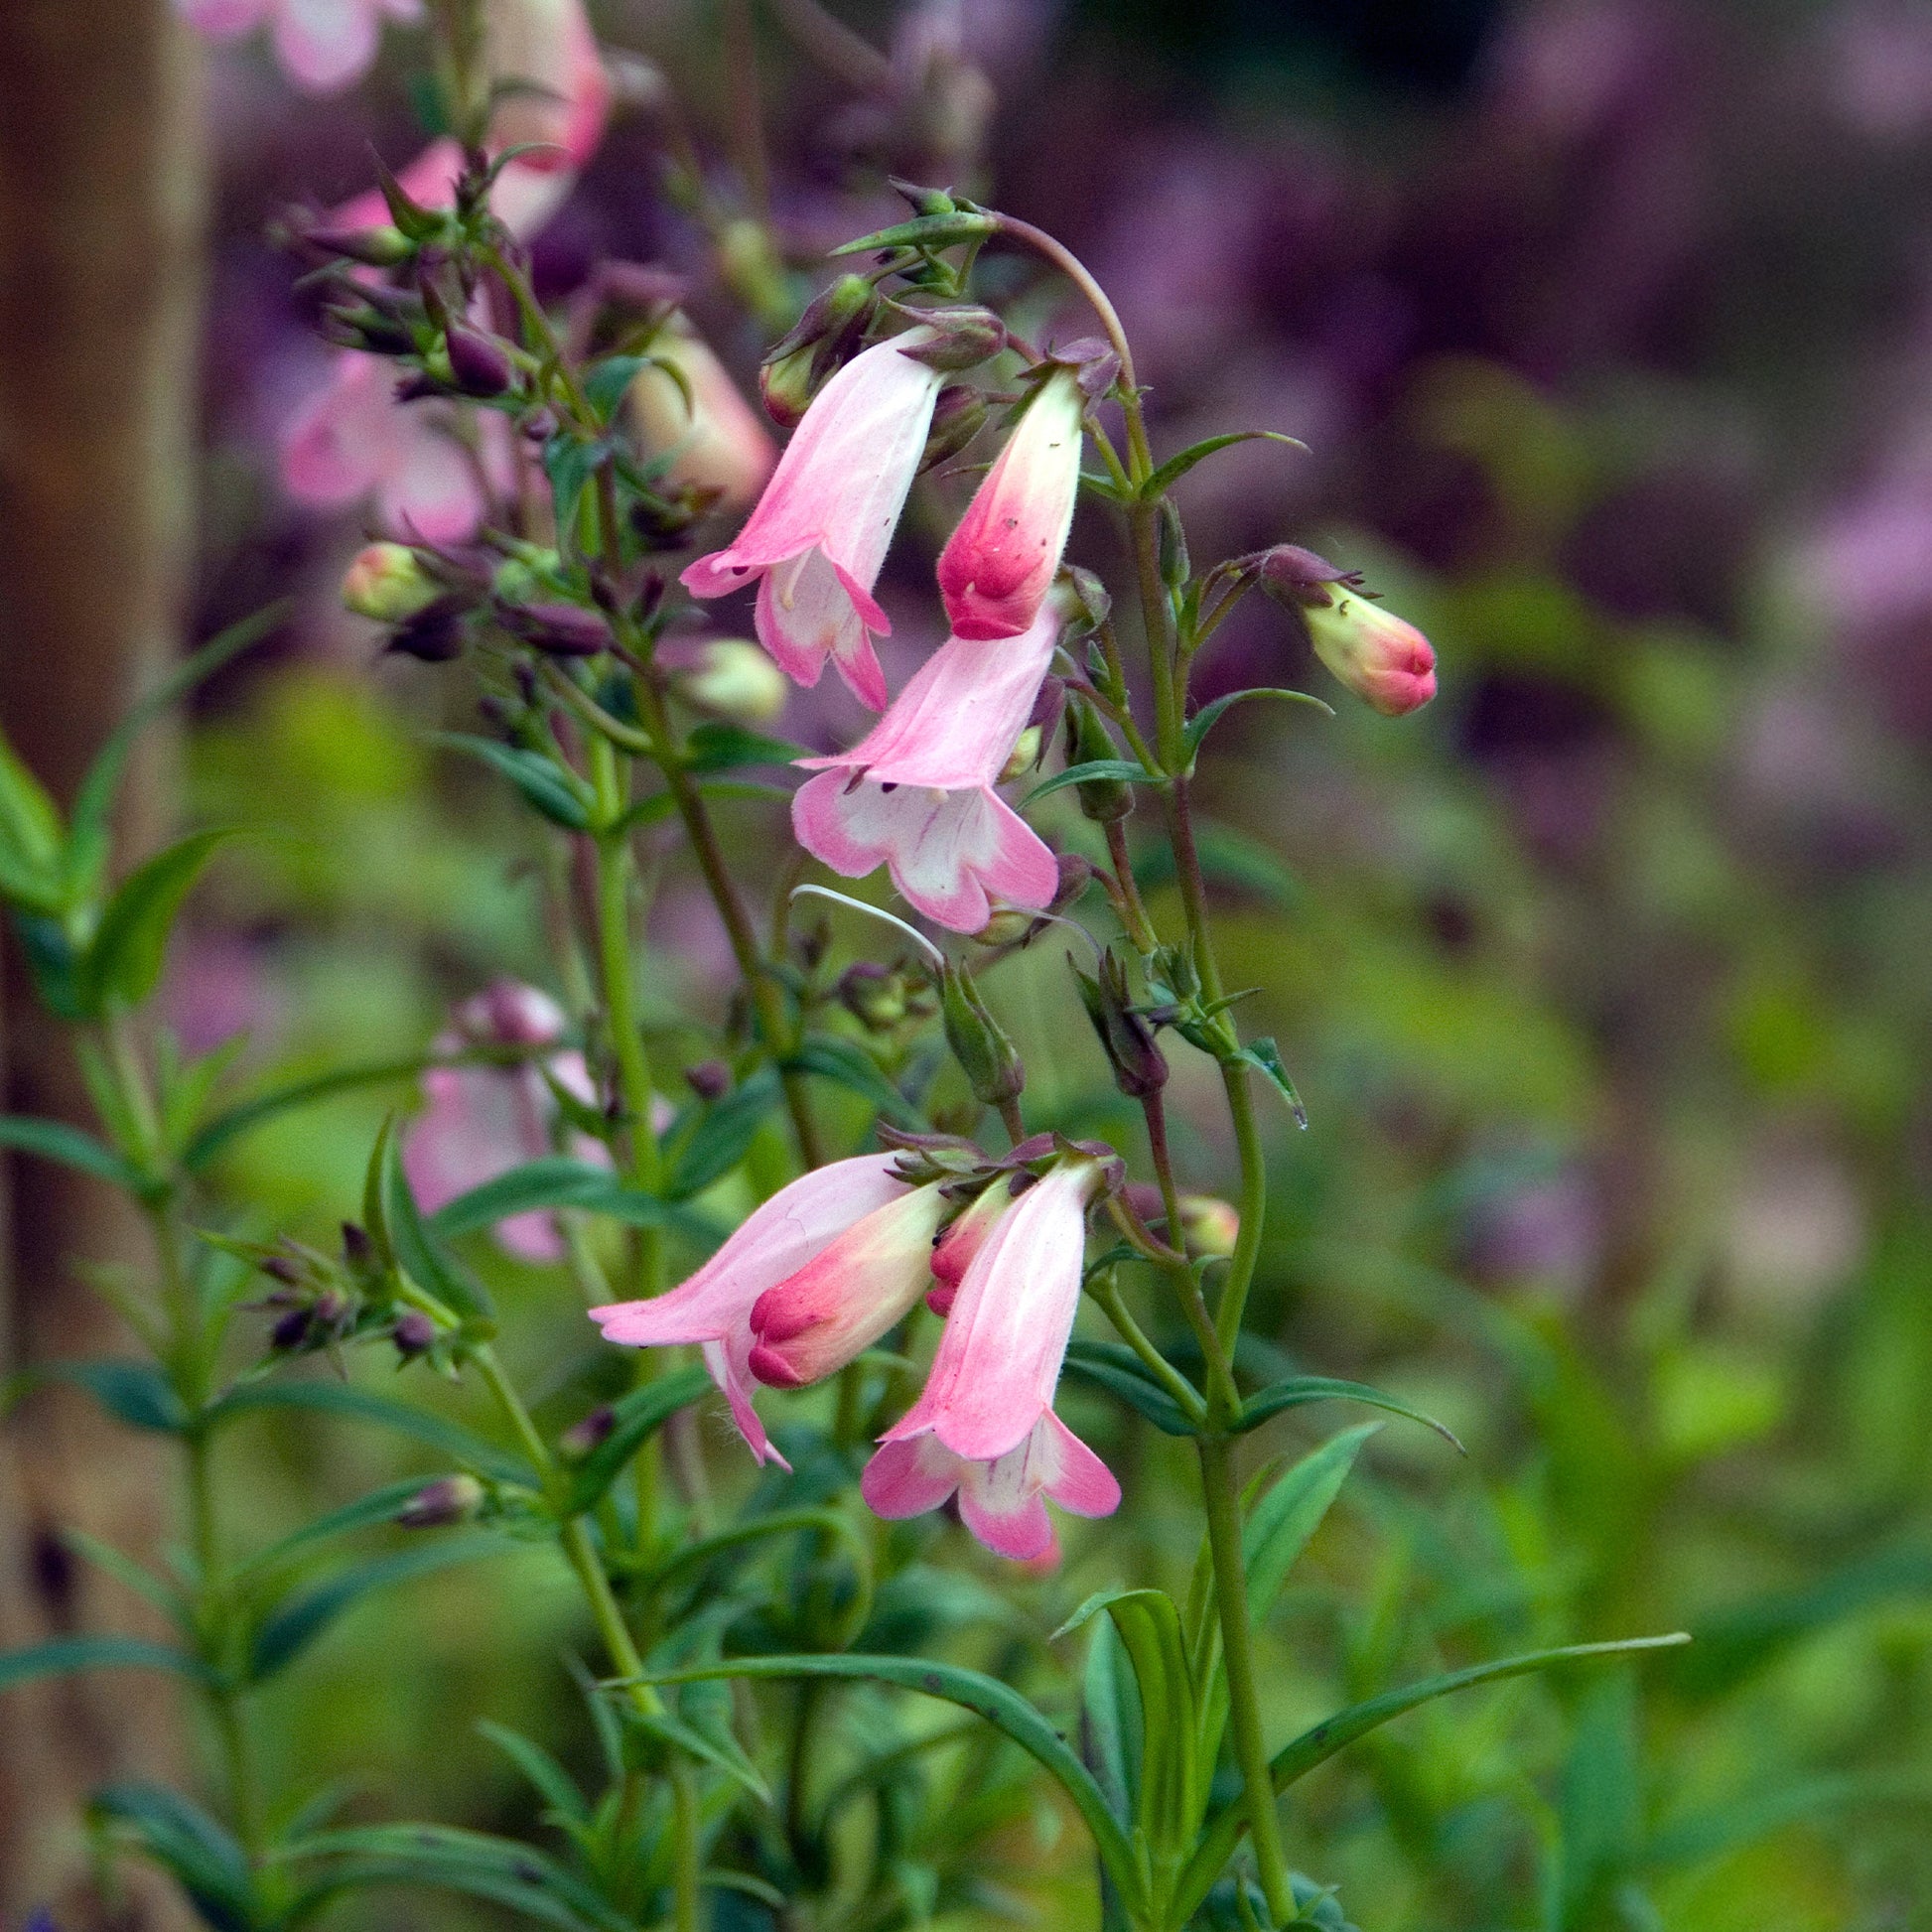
x: 1024, y: 756
x: 875, y: 996
x: 1209, y: 1226
x: 1175, y: 568
x: 958, y: 415
x: 1088, y: 741
x: 735, y: 679
x: 961, y: 338
x: 386, y: 581
x: 382, y: 246
x: 824, y: 336
x: 989, y: 1058
x: 359, y: 1251
x: 479, y: 365
x: 1006, y: 926
x: 1384, y: 661
x: 709, y: 1079
x: 1140, y: 1068
x: 434, y: 635
x: 450, y: 1499
x: 588, y: 1434
x: 557, y: 629
x: 414, y: 1334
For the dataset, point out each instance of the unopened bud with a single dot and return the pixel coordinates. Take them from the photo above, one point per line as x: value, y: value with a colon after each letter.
x: 1007, y: 926
x: 1092, y: 602
x: 875, y: 996
x: 1386, y: 661
x: 925, y: 201
x: 282, y: 1269
x: 450, y: 1499
x: 987, y: 1055
x: 1076, y: 875
x: 825, y: 335
x: 958, y: 415
x: 291, y: 1331
x: 709, y: 1079
x: 1140, y: 1068
x: 387, y: 583
x: 588, y: 1434
x: 1209, y: 1226
x: 1088, y: 741
x: 1025, y: 754
x: 479, y: 365
x: 786, y: 386
x: 382, y: 246
x: 1174, y: 565
x: 414, y: 1334
x: 359, y: 1251
x: 434, y: 635
x: 557, y: 629
x: 735, y: 679
x: 959, y: 338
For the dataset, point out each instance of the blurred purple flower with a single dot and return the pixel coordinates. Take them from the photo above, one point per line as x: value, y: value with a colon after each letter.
x: 323, y: 45
x: 218, y: 985
x: 1878, y: 67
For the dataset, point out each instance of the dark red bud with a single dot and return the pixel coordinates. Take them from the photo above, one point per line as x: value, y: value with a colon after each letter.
x: 414, y: 1333
x: 557, y: 629
x: 480, y: 364
x: 709, y: 1079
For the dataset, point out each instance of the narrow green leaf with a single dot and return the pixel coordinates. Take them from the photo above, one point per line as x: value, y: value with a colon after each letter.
x: 421, y: 1252
x: 926, y: 231
x: 63, y: 1656
x: 606, y: 387
x: 723, y: 1135
x: 378, y: 1506
x: 718, y: 746
x: 561, y: 1181
x: 1131, y: 771
x: 1266, y: 1058
x: 633, y: 1419
x: 1321, y: 1741
x: 1113, y: 1366
x: 543, y: 785
x: 31, y: 837
x: 663, y: 804
x: 93, y: 804
x: 300, y: 1620
x: 123, y: 960
x: 570, y: 465
x: 1278, y: 1528
x: 202, y: 1855
x: 1210, y: 715
x: 552, y: 1782
x: 135, y: 1393
x: 73, y: 1147
x: 723, y: 1752
x: 1176, y: 467
x: 160, y: 1592
x: 1110, y: 1707
x: 850, y: 1066
x: 1300, y: 1389
x: 340, y: 1399
x: 1000, y: 1706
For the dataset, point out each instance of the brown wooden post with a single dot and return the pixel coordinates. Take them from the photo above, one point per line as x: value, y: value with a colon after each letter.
x: 101, y: 217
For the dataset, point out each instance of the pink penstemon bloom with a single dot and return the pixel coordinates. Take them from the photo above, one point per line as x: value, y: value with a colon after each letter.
x: 833, y: 1208
x: 1002, y: 558
x: 322, y: 44
x: 820, y: 532
x: 481, y: 1121
x: 916, y: 793
x: 984, y: 1426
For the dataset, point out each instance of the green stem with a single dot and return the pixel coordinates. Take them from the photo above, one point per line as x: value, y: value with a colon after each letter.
x: 685, y: 1846
x: 1106, y: 1291
x: 1220, y: 1493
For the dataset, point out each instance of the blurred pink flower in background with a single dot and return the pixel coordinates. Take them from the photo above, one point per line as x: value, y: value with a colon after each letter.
x: 1878, y: 67
x: 716, y: 439
x: 323, y: 45
x: 916, y: 794
x: 984, y: 1426
x: 481, y: 1121
x: 819, y: 535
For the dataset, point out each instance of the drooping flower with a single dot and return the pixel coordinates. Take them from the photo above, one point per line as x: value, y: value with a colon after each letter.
x: 354, y: 439
x: 820, y: 531
x: 798, y: 1224
x: 714, y: 435
x: 916, y: 794
x: 1001, y: 560
x: 984, y: 1426
x: 484, y: 1120
x: 322, y: 44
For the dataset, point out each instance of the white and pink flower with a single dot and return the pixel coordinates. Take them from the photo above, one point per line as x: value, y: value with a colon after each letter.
x: 481, y: 1121
x: 984, y: 1426
x: 322, y: 44
x: 823, y: 1269
x: 816, y: 541
x: 916, y: 793
x: 1002, y: 559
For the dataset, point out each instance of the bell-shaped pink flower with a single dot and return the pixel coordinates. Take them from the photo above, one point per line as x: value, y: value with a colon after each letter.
x: 820, y: 531
x: 917, y: 795
x: 953, y: 1252
x: 712, y: 1308
x: 1385, y: 661
x: 1001, y: 561
x: 481, y: 1121
x: 322, y: 44
x: 984, y: 1426
x: 354, y: 439
x: 846, y: 1295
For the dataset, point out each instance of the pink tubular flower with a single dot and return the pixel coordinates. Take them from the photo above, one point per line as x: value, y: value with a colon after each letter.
x: 917, y: 795
x: 1384, y: 661
x: 712, y: 1308
x: 821, y: 529
x: 353, y: 438
x: 984, y: 1426
x: 713, y: 435
x: 1001, y: 561
x: 481, y: 1121
x: 323, y: 45
x: 953, y: 1252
